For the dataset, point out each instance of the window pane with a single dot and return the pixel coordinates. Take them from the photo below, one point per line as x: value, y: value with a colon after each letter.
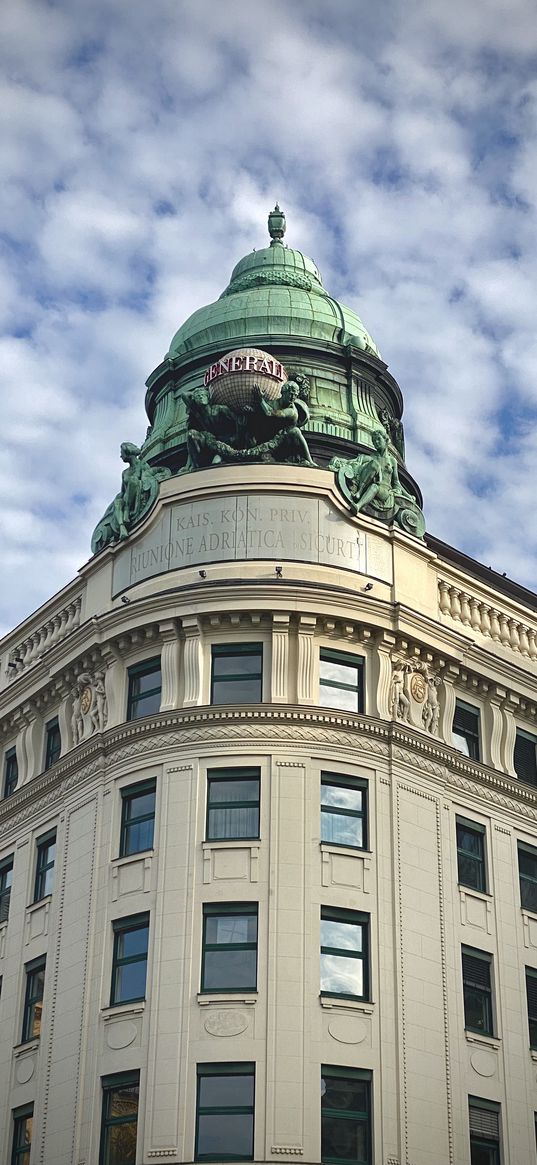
x: 237, y: 665
x: 139, y: 804
x: 123, y: 1101
x: 470, y: 841
x: 130, y: 982
x: 121, y: 1144
x: 225, y: 1135
x: 484, y: 1154
x: 141, y: 684
x: 342, y: 830
x: 145, y: 705
x: 132, y: 942
x: 344, y: 1093
x: 239, y: 790
x: 342, y: 976
x: 344, y: 1140
x: 345, y: 935
x: 231, y: 928
x: 342, y: 796
x: 233, y: 823
x: 247, y: 691
x: 225, y: 970
x: 139, y: 836
x: 339, y: 698
x: 339, y: 673
x: 470, y: 872
x: 226, y: 1091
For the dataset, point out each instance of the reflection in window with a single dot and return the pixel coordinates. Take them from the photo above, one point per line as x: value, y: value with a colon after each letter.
x: 119, y: 1119
x: 527, y: 869
x: 53, y: 742
x: 137, y: 818
x: 341, y: 680
x: 525, y: 757
x: 145, y: 684
x: 129, y: 966
x: 344, y: 953
x: 11, y: 772
x: 22, y: 1135
x: 343, y: 810
x: 477, y: 989
x: 225, y: 1112
x: 232, y: 804
x: 345, y: 1116
x: 471, y: 854
x: 466, y: 729
x: 237, y: 673
x: 44, y: 867
x: 484, y: 1121
x: 6, y: 879
x: 229, y: 960
x: 33, y: 1000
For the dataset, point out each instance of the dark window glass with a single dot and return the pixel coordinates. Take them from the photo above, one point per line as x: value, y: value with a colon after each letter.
x: 6, y: 878
x: 527, y: 869
x: 343, y: 810
x: 53, y: 742
x: 484, y: 1121
x: 471, y: 855
x: 344, y: 953
x: 531, y: 995
x: 345, y: 1116
x: 44, y: 868
x: 33, y: 1000
x: 232, y: 803
x: 341, y: 681
x: 477, y: 990
x: 225, y: 1112
x: 11, y: 772
x: 119, y: 1119
x: 466, y: 729
x: 129, y: 965
x: 525, y: 758
x: 145, y: 685
x: 237, y: 673
x: 137, y: 818
x: 22, y: 1135
x: 229, y: 961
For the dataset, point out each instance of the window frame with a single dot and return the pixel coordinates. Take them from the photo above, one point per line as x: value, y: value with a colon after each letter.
x: 109, y: 1085
x: 232, y: 1068
x: 136, y: 671
x: 238, y: 773
x: 10, y: 784
x: 53, y: 742
x: 20, y: 1153
x: 6, y: 867
x: 355, y: 918
x: 347, y: 659
x: 472, y: 738
x: 530, y: 851
x: 479, y: 860
x: 129, y: 793
x: 482, y: 990
x: 478, y: 1139
x: 340, y: 780
x: 522, y: 734
x: 530, y: 975
x: 243, y: 647
x: 220, y: 909
x: 42, y: 868
x: 31, y: 998
x: 333, y: 1072
x: 120, y: 927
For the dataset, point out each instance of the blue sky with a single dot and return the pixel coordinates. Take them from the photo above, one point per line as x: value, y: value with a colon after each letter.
x: 142, y: 146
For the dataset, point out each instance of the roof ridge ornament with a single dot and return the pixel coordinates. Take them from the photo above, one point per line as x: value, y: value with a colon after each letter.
x: 276, y: 225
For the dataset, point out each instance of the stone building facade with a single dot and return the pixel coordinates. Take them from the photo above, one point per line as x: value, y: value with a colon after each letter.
x: 268, y: 864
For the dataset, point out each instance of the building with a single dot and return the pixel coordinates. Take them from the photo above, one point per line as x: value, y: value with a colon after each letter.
x: 268, y: 866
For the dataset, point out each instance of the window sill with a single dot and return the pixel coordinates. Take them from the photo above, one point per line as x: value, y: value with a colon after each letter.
x: 245, y: 999
x: 124, y: 858
x: 121, y: 1010
x: 483, y: 895
x: 40, y: 902
x: 353, y: 851
x: 24, y: 1048
x: 483, y: 1040
x: 230, y: 843
x: 362, y: 1005
x: 533, y: 1054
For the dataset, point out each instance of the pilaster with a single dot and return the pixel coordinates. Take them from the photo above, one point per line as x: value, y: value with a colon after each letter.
x: 306, y: 659
x: 169, y: 665
x: 280, y: 659
x: 507, y: 761
x: 382, y: 663
x: 192, y: 661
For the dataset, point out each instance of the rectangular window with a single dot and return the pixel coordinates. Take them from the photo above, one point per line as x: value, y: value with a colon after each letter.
x: 232, y: 804
x: 129, y: 964
x: 33, y: 1000
x: 229, y: 959
x: 341, y: 680
x: 145, y: 684
x: 531, y: 996
x: 484, y: 1122
x: 471, y: 855
x: 237, y: 673
x: 477, y: 991
x: 346, y: 1116
x: 6, y: 878
x: 44, y: 868
x: 527, y: 870
x: 525, y: 758
x: 53, y: 742
x: 225, y: 1112
x: 119, y: 1119
x: 22, y: 1135
x: 137, y: 818
x: 344, y: 953
x: 343, y: 810
x: 466, y: 729
x: 11, y: 772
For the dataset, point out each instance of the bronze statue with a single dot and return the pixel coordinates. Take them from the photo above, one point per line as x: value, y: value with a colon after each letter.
x: 139, y: 489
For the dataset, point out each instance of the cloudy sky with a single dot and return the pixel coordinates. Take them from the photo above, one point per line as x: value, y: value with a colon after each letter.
x: 142, y: 146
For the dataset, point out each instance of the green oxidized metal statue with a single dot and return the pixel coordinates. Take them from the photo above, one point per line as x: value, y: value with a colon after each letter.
x: 370, y: 482
x: 139, y: 489
x: 263, y: 430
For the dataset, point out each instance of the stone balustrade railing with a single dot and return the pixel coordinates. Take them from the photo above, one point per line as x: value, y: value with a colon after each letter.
x: 29, y: 650
x: 481, y: 616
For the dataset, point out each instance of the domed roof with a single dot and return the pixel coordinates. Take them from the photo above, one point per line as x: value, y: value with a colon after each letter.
x: 275, y: 291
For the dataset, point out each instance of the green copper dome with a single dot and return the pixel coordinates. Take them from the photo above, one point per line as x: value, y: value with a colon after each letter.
x: 275, y: 291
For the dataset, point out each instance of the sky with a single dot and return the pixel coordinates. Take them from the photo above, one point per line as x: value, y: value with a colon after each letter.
x: 142, y: 146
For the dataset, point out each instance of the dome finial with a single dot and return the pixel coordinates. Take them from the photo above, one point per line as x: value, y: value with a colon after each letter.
x: 276, y: 225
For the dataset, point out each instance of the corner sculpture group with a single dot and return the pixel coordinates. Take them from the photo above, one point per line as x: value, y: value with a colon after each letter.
x: 263, y: 430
